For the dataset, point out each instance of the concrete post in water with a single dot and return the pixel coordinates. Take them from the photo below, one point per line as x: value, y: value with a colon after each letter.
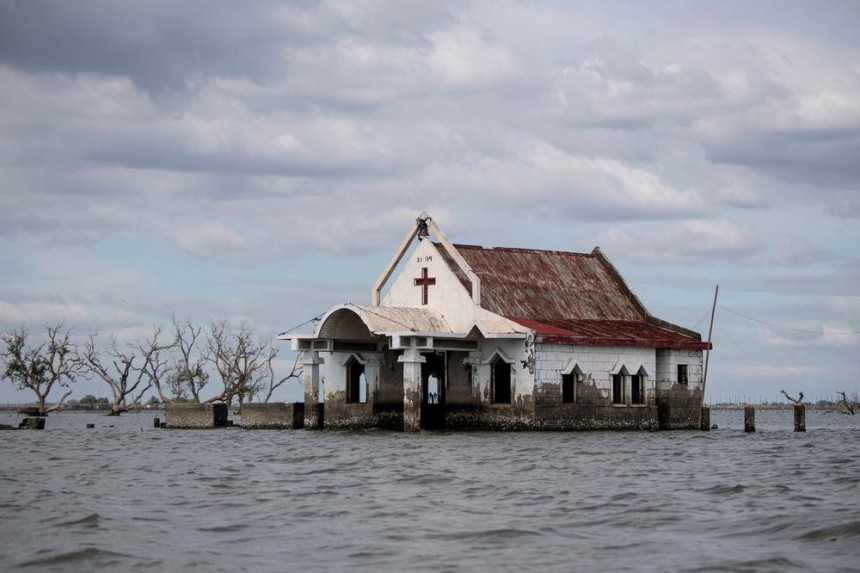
x: 800, y: 417
x: 311, y: 382
x: 705, y: 424
x: 412, y: 361
x: 749, y: 419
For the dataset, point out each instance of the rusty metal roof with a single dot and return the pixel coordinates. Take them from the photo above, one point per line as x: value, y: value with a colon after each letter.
x: 611, y: 333
x: 575, y: 298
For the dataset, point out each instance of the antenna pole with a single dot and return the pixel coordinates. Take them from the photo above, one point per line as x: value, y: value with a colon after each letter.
x: 708, y: 350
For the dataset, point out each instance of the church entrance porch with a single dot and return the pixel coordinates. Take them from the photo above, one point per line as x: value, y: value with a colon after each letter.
x: 433, y: 384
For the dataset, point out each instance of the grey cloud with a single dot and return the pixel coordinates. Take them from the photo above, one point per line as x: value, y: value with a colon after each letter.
x: 821, y: 158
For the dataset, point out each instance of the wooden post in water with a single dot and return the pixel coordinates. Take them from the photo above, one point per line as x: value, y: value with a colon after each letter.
x: 706, y: 419
x: 156, y: 423
x: 749, y: 419
x: 800, y: 417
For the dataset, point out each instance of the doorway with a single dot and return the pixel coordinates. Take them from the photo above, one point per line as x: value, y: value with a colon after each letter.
x: 433, y: 382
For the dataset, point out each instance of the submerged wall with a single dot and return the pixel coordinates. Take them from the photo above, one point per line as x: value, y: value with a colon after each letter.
x: 273, y: 416
x: 196, y: 415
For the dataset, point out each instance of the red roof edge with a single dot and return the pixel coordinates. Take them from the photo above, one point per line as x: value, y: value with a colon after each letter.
x: 552, y: 334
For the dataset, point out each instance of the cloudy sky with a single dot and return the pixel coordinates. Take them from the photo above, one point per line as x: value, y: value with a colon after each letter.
x: 261, y: 160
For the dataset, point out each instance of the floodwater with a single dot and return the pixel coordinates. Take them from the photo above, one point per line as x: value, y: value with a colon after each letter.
x: 134, y: 498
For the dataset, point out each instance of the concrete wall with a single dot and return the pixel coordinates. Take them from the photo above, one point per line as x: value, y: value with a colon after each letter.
x: 273, y: 416
x: 338, y: 413
x: 473, y: 408
x: 593, y: 408
x: 536, y: 398
x: 195, y: 415
x: 679, y: 405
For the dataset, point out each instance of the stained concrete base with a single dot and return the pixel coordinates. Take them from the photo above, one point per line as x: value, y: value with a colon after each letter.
x: 273, y: 416
x: 196, y: 415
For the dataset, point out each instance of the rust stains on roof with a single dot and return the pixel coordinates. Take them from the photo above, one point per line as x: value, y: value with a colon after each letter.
x: 574, y: 298
x: 547, y: 284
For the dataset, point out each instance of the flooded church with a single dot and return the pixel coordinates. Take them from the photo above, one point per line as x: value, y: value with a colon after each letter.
x: 474, y: 338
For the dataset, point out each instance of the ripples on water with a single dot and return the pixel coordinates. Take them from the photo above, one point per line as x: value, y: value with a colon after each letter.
x: 134, y: 498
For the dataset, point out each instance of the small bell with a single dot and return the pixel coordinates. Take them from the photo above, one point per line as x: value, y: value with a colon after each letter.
x: 422, y: 229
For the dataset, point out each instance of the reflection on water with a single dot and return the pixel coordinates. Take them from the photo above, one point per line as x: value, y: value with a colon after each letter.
x: 134, y: 498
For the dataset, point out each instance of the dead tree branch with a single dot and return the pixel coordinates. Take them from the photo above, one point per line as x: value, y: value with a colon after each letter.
x: 124, y: 371
x: 796, y: 401
x: 186, y: 374
x: 295, y: 373
x: 846, y: 406
x: 240, y: 360
x: 40, y: 368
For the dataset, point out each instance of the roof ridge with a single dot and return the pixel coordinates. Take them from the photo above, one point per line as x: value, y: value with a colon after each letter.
x: 523, y: 250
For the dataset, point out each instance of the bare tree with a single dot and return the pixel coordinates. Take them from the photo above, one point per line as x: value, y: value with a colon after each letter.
x: 125, y: 371
x: 241, y: 361
x: 40, y: 368
x: 796, y: 401
x: 185, y: 374
x: 155, y: 368
x: 295, y: 373
x: 846, y: 406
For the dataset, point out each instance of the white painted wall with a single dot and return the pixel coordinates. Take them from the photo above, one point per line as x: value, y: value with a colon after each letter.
x: 517, y: 350
x: 447, y: 296
x: 597, y: 363
x: 667, y: 367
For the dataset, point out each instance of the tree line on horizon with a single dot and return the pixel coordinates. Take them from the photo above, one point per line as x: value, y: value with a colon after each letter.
x: 176, y: 362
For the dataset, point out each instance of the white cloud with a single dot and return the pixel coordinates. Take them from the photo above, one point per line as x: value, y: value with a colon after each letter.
x: 205, y: 238
x: 461, y: 58
x: 798, y: 252
x: 74, y: 314
x: 550, y: 180
x: 685, y: 242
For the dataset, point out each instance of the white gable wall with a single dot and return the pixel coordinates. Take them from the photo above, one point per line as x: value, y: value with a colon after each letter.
x: 448, y: 296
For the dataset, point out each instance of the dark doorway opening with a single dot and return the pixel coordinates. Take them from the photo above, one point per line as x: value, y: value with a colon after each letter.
x: 433, y: 382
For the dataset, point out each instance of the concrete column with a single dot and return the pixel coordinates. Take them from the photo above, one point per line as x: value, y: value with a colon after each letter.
x: 412, y: 361
x: 311, y: 382
x: 372, y: 373
x: 705, y: 424
x: 800, y: 417
x: 749, y: 419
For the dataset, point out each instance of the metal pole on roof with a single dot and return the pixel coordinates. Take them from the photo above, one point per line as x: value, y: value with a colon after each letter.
x: 708, y: 350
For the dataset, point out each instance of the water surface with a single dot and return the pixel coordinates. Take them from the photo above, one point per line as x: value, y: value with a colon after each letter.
x: 134, y: 498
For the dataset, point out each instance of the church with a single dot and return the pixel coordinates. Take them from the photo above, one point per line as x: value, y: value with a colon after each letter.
x: 463, y: 337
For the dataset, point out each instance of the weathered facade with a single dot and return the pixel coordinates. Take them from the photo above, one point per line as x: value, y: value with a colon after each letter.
x: 471, y: 338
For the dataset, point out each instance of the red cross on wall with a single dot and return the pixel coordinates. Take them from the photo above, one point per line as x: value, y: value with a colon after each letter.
x: 424, y: 281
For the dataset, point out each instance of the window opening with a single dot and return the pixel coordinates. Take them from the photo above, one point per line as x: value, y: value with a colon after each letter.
x: 637, y: 389
x: 568, y: 388
x: 682, y: 374
x: 356, y: 382
x: 501, y: 381
x: 617, y: 388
